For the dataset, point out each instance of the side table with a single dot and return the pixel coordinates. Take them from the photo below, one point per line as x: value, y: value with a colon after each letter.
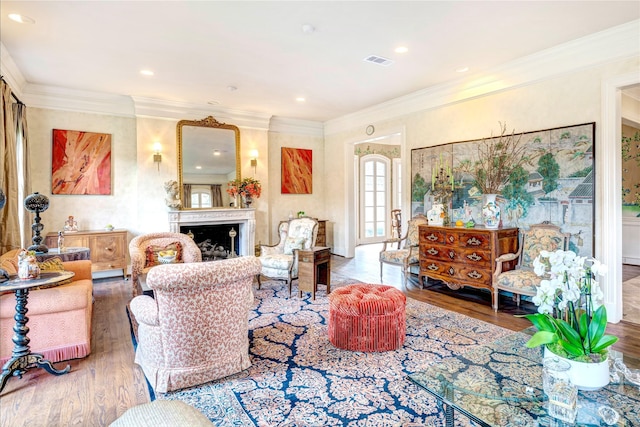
x: 314, y: 267
x: 21, y: 356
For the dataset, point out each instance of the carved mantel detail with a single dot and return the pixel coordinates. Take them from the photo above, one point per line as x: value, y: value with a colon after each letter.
x: 245, y: 217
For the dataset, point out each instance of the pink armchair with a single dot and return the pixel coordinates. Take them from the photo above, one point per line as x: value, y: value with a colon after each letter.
x: 67, y: 307
x: 190, y: 252
x: 197, y: 328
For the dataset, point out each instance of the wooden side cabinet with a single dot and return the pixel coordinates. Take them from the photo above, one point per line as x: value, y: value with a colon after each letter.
x: 321, y: 240
x: 314, y: 267
x: 465, y: 256
x: 108, y: 248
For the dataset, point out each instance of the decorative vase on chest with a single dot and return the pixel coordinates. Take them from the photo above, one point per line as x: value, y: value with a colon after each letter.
x: 585, y: 376
x: 490, y: 212
x: 247, y: 200
x: 435, y: 215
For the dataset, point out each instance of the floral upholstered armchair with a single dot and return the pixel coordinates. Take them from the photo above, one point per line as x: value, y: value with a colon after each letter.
x: 144, y: 250
x: 408, y: 251
x: 196, y: 328
x: 523, y: 280
x: 280, y: 261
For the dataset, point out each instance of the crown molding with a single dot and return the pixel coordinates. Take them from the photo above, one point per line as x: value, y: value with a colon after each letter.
x: 296, y: 127
x: 164, y: 109
x: 10, y: 72
x: 58, y: 98
x: 605, y: 46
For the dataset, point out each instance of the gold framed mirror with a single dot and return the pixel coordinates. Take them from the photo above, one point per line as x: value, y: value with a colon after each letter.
x: 208, y: 158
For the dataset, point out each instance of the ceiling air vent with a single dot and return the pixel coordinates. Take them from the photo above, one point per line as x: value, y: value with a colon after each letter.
x: 378, y: 60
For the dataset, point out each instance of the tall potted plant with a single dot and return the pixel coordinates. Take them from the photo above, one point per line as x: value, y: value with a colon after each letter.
x: 571, y: 319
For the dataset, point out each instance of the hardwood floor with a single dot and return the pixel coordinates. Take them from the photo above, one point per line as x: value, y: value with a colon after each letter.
x: 103, y: 385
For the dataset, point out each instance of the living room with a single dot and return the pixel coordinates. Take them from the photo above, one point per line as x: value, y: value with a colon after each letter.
x: 578, y: 81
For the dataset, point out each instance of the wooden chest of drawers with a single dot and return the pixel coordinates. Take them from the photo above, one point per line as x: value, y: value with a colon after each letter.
x: 464, y: 256
x: 108, y: 248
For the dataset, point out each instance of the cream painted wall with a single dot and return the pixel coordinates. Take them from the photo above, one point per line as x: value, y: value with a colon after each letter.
x: 565, y: 100
x: 91, y: 212
x: 280, y: 205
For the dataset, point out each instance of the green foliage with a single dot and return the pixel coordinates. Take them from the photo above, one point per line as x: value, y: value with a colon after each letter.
x: 580, y: 339
x: 550, y: 171
x: 582, y: 172
x: 515, y: 192
x: 419, y: 188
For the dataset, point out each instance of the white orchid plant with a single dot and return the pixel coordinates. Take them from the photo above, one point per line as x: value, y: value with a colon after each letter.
x: 571, y: 318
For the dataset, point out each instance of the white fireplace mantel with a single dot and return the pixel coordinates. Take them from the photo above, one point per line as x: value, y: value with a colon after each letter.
x: 246, y: 218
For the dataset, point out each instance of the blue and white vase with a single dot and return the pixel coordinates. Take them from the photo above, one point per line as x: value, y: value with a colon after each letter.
x: 490, y: 212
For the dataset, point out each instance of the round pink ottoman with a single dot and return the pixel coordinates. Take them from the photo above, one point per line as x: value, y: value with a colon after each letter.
x: 367, y: 318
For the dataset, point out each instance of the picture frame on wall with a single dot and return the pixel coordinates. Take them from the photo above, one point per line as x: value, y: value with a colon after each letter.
x: 80, y: 162
x: 554, y: 181
x: 297, y: 171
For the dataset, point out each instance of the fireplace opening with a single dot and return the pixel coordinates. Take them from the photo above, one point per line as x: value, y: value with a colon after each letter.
x: 214, y: 240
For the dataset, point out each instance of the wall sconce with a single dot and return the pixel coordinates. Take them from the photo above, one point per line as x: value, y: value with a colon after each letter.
x: 157, y: 157
x: 254, y: 159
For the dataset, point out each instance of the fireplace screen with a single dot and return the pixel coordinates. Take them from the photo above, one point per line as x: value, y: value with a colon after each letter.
x: 215, y: 241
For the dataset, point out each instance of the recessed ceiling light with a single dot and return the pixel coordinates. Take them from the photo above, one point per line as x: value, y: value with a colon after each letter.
x: 462, y: 70
x: 300, y: 99
x: 402, y: 49
x: 216, y: 152
x: 146, y: 72
x: 308, y: 28
x: 213, y: 102
x: 198, y: 167
x: 22, y: 19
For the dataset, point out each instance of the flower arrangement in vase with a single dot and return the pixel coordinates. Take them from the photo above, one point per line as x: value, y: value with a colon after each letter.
x: 247, y: 188
x: 571, y: 319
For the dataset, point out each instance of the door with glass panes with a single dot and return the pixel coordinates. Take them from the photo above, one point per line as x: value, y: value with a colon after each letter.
x: 374, y: 198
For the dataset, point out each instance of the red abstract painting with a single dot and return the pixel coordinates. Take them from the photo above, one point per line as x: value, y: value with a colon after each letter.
x: 81, y: 162
x: 296, y: 171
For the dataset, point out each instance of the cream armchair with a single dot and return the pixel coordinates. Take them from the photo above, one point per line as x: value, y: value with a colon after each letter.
x: 142, y: 249
x: 523, y: 280
x: 196, y: 328
x: 280, y: 261
x: 408, y: 250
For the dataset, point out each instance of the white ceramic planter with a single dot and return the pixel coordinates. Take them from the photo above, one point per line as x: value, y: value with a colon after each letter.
x: 585, y: 376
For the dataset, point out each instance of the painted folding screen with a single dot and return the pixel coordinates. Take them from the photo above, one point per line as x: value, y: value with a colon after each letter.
x: 557, y: 183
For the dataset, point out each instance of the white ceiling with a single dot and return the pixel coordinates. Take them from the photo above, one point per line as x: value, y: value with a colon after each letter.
x: 198, y: 49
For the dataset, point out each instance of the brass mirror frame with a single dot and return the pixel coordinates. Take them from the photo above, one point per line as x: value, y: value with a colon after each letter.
x: 207, y: 122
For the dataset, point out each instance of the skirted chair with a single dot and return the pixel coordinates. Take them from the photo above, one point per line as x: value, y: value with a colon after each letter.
x: 408, y: 250
x: 280, y: 261
x: 59, y: 317
x: 523, y: 280
x: 196, y: 328
x: 144, y: 249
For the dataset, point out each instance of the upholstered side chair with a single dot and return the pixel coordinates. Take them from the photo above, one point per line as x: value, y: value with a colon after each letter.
x: 408, y: 251
x: 196, y: 328
x: 523, y: 280
x: 280, y: 261
x: 143, y: 252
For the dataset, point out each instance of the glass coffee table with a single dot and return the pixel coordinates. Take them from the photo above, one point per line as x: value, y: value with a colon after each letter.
x: 500, y: 384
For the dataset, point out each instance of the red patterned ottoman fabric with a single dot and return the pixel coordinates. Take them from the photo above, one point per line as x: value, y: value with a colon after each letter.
x: 367, y: 318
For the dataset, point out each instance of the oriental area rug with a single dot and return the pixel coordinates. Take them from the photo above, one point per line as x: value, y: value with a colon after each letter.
x: 298, y: 378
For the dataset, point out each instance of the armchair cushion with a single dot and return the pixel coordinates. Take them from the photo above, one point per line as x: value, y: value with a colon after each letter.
x: 293, y: 243
x: 398, y: 256
x: 152, y: 252
x: 524, y: 280
x: 52, y: 264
